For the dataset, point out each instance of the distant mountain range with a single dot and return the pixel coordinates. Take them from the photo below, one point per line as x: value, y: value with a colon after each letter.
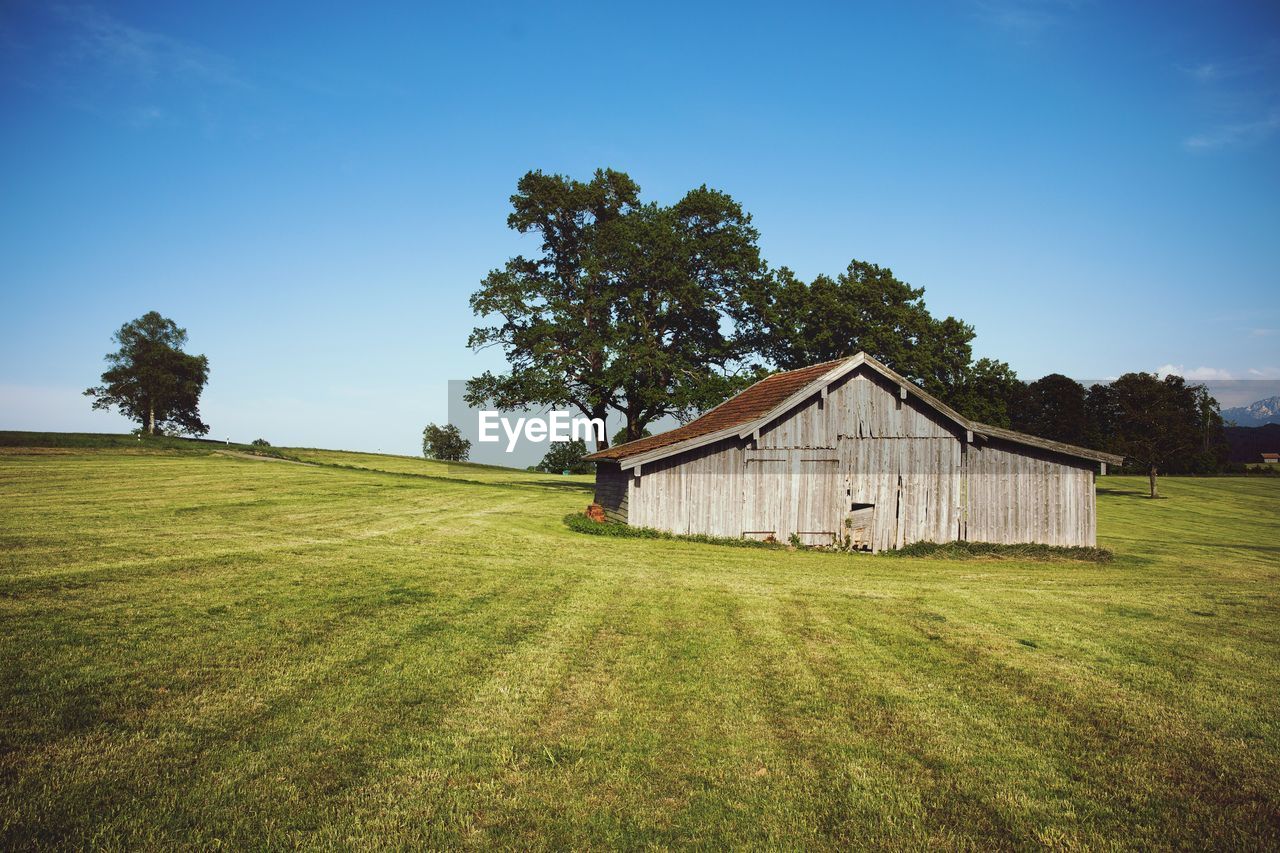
x: 1255, y: 414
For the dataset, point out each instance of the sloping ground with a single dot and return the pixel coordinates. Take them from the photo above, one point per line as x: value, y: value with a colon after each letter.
x: 203, y: 650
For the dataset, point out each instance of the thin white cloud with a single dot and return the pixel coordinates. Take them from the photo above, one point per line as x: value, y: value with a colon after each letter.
x: 1234, y: 135
x: 96, y: 36
x: 1198, y: 373
x: 1204, y: 71
x: 1264, y: 372
x: 1209, y: 71
x: 1262, y: 333
x: 1024, y: 20
x: 1240, y: 94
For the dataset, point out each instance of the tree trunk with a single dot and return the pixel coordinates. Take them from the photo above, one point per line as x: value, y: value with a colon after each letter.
x: 602, y: 443
x: 1152, y: 473
x: 151, y: 419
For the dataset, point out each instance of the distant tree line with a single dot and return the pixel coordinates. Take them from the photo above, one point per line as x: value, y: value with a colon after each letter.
x: 1160, y: 426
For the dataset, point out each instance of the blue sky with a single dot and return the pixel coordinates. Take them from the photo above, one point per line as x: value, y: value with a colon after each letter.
x: 314, y: 190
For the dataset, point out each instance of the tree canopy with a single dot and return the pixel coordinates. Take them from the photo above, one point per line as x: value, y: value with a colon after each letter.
x: 1053, y: 407
x: 867, y: 308
x: 989, y: 391
x: 445, y: 443
x: 151, y: 380
x: 627, y: 307
x: 566, y: 456
x: 1158, y: 425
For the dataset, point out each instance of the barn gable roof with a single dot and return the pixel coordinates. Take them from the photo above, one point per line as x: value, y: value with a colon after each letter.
x: 745, y: 407
x: 759, y: 405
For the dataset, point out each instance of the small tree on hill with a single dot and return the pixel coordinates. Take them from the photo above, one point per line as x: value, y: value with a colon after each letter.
x: 151, y: 380
x: 445, y: 443
x: 567, y: 456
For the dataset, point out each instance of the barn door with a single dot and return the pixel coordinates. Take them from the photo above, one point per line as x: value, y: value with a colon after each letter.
x: 815, y: 496
x: 791, y: 491
x: 764, y: 474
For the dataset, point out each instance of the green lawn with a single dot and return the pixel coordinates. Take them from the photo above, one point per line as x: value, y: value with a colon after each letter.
x: 200, y: 649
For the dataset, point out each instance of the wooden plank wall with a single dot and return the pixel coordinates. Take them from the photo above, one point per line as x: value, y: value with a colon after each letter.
x: 696, y: 492
x: 914, y: 483
x: 1023, y: 494
x: 859, y: 406
x: 862, y: 444
x: 611, y: 491
x: 792, y: 491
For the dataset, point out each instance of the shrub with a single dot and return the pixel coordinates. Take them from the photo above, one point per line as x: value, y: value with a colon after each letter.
x: 993, y: 551
x: 578, y: 522
x: 945, y: 550
x: 261, y: 442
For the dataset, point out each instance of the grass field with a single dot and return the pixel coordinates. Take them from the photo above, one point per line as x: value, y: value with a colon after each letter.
x: 203, y: 650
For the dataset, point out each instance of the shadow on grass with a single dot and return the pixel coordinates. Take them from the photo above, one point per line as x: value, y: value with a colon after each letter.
x: 1127, y: 493
x: 584, y: 488
x: 1241, y: 546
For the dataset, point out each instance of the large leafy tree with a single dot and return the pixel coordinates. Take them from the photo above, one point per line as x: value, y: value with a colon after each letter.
x: 1158, y: 425
x: 151, y: 380
x: 684, y: 275
x: 1053, y: 408
x: 629, y: 307
x: 866, y: 308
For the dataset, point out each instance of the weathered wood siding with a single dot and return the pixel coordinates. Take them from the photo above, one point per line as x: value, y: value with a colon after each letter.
x: 859, y: 406
x: 611, y: 490
x: 860, y: 458
x: 915, y: 485
x: 1022, y: 494
x: 695, y: 492
x: 792, y: 491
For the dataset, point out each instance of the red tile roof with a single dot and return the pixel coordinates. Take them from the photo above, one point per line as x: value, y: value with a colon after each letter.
x: 755, y: 402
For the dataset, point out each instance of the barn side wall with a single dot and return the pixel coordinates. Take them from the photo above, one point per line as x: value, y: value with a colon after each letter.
x: 699, y: 491
x: 1022, y: 494
x: 611, y: 491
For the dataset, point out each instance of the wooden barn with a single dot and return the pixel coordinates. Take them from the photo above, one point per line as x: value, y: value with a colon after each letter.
x: 850, y: 454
